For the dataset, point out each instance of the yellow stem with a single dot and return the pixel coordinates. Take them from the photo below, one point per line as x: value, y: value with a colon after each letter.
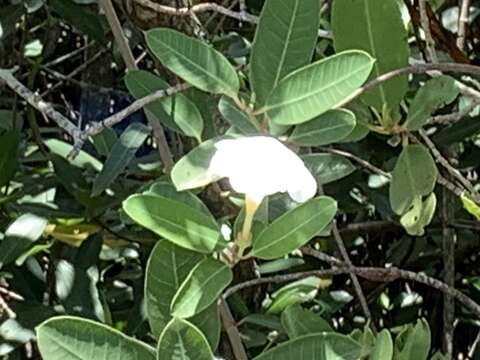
x: 245, y: 237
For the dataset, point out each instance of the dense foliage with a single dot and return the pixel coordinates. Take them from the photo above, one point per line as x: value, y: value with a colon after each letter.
x: 135, y: 223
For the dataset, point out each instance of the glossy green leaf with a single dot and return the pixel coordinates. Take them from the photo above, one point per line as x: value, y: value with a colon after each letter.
x: 20, y: 236
x: 312, y: 90
x: 194, y: 61
x: 363, y: 117
x: 237, y: 117
x: 83, y: 160
x: 328, y: 167
x: 71, y: 338
x: 201, y: 288
x: 378, y: 30
x: 122, y: 153
x: 298, y: 321
x: 297, y: 292
x: 77, y: 16
x: 326, y: 346
x: 294, y: 228
x: 415, y: 175
x: 279, y: 265
x: 177, y: 112
x: 181, y: 340
x: 284, y: 41
x: 330, y: 127
x: 167, y: 268
x: 413, y: 342
x: 175, y: 221
x: 190, y: 171
x: 434, y: 94
x: 383, y: 348
x: 9, y: 142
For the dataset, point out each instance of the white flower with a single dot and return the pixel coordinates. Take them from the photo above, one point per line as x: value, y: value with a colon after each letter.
x: 259, y: 166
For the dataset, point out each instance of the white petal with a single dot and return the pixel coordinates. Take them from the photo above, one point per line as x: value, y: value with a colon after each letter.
x: 304, y: 187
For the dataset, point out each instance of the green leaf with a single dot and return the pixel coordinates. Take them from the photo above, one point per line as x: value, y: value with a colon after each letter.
x: 167, y: 190
x: 326, y: 346
x: 104, y: 141
x: 298, y: 321
x: 20, y: 236
x: 420, y: 215
x: 312, y: 90
x: 279, y: 265
x: 383, y: 348
x: 294, y: 228
x: 285, y: 39
x: 471, y: 206
x: 328, y: 167
x: 237, y: 117
x: 413, y: 342
x: 9, y: 142
x: 194, y: 61
x: 378, y: 30
x: 70, y: 338
x: 167, y: 268
x: 181, y: 340
x: 122, y: 153
x: 76, y: 15
x: 434, y: 94
x: 175, y: 221
x: 460, y: 130
x: 177, y: 112
x: 201, y: 288
x: 190, y: 171
x: 297, y: 292
x: 415, y: 175
x: 328, y: 128
x: 83, y: 160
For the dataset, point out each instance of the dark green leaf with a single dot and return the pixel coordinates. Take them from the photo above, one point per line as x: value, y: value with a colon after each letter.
x: 177, y: 112
x: 415, y: 175
x: 9, y: 142
x: 298, y: 321
x: 237, y: 117
x: 378, y: 30
x: 328, y: 128
x: 434, y: 94
x: 201, y: 288
x: 285, y: 39
x: 328, y: 167
x: 326, y: 346
x: 294, y: 228
x: 81, y: 19
x: 122, y: 153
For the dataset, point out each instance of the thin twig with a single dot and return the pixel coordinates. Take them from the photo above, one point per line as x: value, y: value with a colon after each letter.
x: 462, y: 24
x: 353, y: 276
x: 454, y: 117
x: 360, y: 161
x: 122, y: 41
x: 207, y: 7
x: 376, y: 274
x: 36, y: 102
x: 232, y: 331
x: 451, y: 170
x: 429, y: 42
x: 69, y: 55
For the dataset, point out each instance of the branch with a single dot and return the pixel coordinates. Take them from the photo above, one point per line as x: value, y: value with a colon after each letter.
x: 35, y: 101
x: 207, y: 7
x: 462, y: 24
x: 425, y: 21
x: 232, y: 331
x: 376, y: 274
